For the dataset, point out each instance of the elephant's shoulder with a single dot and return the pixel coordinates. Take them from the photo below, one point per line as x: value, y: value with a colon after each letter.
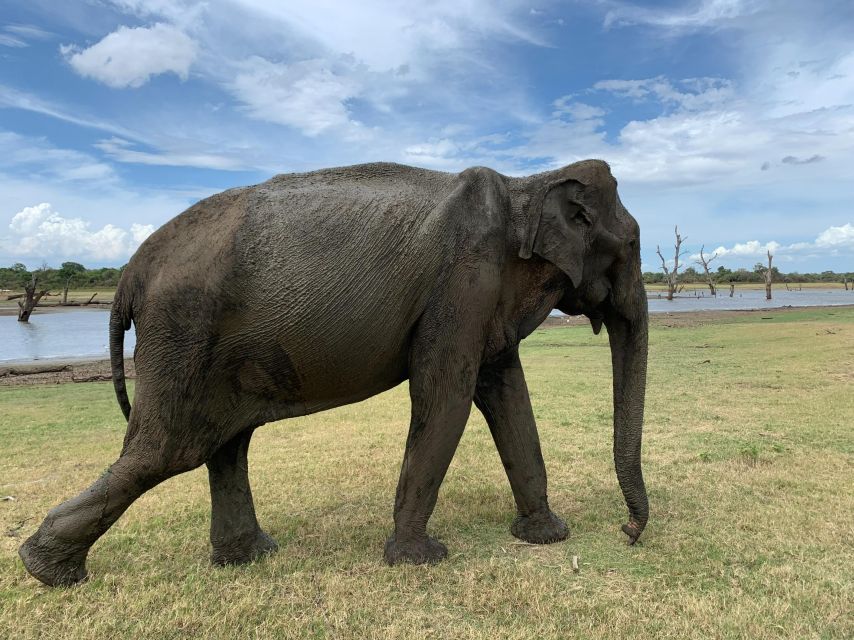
x: 479, y: 195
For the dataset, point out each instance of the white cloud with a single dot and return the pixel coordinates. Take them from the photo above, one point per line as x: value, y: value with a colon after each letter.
x: 39, y: 159
x: 836, y: 237
x: 749, y: 249
x: 40, y: 231
x: 567, y: 106
x: 385, y: 34
x: 16, y: 35
x: 8, y: 40
x: 695, y: 94
x: 129, y: 57
x: 703, y: 14
x: 15, y: 99
x: 120, y: 150
x: 28, y: 31
x: 309, y: 96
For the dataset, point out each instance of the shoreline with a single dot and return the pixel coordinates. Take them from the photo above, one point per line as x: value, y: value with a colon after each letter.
x: 59, y: 371
x: 97, y: 369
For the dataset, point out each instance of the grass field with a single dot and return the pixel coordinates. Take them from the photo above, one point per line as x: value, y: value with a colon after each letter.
x: 748, y: 458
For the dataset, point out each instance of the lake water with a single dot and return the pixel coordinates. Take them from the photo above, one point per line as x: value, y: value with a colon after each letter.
x: 83, y: 333
x: 700, y: 300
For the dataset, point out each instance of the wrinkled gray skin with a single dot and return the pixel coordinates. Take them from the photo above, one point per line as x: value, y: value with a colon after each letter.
x: 311, y: 291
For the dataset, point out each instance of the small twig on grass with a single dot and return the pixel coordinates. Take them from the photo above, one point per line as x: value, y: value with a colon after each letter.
x: 12, y: 532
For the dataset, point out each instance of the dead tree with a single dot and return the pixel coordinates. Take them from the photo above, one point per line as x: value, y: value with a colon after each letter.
x: 29, y: 300
x: 65, y: 290
x: 671, y: 276
x: 705, y: 264
x: 768, y: 275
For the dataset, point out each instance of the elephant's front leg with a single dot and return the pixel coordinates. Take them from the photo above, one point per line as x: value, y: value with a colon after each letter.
x: 441, y: 387
x: 502, y: 397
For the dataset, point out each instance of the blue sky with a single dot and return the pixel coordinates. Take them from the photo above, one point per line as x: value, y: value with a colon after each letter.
x: 732, y: 118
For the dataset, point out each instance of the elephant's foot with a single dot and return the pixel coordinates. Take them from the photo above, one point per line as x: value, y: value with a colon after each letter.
x: 55, y: 562
x: 540, y: 528
x: 423, y: 550
x: 242, y: 549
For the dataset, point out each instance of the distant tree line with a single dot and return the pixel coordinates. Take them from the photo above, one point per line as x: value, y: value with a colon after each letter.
x: 726, y: 276
x: 69, y: 275
x: 74, y: 275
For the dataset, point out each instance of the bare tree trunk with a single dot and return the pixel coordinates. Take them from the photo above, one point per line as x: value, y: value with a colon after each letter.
x: 65, y: 291
x: 845, y: 282
x: 30, y: 300
x: 671, y: 276
x: 768, y: 275
x: 705, y: 264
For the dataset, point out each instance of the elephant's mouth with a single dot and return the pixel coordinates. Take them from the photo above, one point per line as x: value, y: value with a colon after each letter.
x: 589, y: 300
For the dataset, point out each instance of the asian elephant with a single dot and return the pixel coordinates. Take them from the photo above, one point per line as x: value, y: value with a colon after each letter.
x: 320, y: 289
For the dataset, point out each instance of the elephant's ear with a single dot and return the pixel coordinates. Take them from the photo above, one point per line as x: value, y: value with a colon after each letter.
x: 557, y: 226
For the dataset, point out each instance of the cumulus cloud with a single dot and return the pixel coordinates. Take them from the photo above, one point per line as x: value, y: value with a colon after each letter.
x: 40, y: 231
x: 129, y: 57
x: 833, y: 240
x: 836, y: 237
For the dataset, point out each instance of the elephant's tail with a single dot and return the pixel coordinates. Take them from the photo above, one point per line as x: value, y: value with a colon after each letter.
x: 120, y: 317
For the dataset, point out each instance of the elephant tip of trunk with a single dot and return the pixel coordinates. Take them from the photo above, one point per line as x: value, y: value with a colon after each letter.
x: 633, y: 530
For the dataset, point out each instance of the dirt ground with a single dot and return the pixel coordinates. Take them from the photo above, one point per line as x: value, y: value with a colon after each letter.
x: 58, y: 371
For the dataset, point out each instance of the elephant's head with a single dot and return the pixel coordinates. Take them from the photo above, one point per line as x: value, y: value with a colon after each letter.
x: 575, y: 220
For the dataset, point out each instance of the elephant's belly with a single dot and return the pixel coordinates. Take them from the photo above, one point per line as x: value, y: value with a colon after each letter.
x: 299, y: 381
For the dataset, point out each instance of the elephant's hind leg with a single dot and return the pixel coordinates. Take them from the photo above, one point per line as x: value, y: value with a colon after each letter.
x: 56, y: 552
x: 236, y: 537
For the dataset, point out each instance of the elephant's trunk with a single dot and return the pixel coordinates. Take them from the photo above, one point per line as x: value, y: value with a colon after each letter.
x: 627, y: 332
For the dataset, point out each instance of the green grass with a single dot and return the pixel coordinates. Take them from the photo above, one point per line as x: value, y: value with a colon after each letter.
x: 748, y: 454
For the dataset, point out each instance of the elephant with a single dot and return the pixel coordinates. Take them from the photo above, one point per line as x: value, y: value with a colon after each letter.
x: 315, y: 290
